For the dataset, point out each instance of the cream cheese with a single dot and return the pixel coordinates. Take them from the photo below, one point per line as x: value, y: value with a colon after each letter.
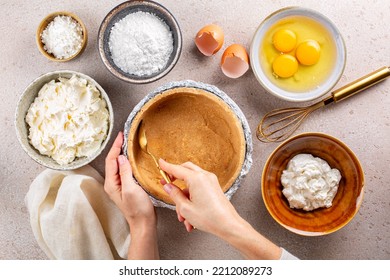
x: 309, y: 182
x: 68, y: 119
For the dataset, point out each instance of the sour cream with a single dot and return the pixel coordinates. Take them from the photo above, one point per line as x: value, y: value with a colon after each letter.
x: 68, y: 119
x: 309, y: 182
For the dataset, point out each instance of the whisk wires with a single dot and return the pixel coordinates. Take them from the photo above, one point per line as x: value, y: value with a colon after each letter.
x: 279, y: 124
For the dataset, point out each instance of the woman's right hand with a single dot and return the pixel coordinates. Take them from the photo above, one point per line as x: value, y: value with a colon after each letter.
x: 202, y: 204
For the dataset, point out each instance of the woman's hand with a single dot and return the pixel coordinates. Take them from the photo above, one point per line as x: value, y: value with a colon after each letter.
x: 122, y: 189
x: 133, y: 202
x: 202, y: 204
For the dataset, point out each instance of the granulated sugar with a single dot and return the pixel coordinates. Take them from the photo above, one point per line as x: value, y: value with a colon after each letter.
x: 63, y: 37
x: 141, y: 44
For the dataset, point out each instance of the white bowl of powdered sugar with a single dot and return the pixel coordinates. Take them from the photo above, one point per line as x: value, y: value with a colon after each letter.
x: 139, y: 41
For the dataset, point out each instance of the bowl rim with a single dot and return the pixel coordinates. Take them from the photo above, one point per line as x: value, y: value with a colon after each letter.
x: 218, y: 93
x: 312, y: 94
x: 31, y: 151
x: 172, y: 24
x: 43, y: 24
x: 359, y: 199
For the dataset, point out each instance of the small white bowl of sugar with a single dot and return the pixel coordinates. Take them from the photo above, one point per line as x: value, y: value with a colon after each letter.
x: 61, y: 36
x: 139, y: 41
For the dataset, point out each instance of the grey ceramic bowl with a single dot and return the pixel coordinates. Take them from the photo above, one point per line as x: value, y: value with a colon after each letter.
x: 21, y: 126
x: 120, y: 12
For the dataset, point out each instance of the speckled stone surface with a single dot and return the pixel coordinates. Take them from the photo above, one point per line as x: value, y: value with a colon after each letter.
x: 362, y: 122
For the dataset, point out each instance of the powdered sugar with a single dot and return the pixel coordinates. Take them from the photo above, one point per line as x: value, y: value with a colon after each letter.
x: 63, y: 37
x: 141, y: 44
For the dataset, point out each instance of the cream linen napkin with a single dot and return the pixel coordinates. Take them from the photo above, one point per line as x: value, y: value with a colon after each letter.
x: 73, y: 218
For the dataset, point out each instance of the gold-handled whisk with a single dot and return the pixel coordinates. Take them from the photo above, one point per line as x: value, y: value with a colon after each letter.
x: 279, y: 124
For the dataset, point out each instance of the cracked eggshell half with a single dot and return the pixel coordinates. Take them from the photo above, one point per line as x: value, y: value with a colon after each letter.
x: 235, y: 61
x: 209, y: 39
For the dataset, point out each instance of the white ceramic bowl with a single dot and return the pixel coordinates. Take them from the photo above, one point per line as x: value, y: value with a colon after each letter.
x: 21, y: 126
x: 320, y: 89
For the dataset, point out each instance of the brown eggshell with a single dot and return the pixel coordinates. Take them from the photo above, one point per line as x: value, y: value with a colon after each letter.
x: 209, y: 39
x: 235, y: 61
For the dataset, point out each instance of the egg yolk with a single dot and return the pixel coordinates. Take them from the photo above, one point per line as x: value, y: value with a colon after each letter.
x: 284, y: 40
x: 308, y: 52
x: 285, y: 66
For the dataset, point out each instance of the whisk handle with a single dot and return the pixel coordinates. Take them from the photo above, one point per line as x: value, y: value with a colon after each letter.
x: 361, y: 84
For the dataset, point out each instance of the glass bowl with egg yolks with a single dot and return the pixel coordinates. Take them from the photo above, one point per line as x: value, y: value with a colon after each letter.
x: 297, y: 54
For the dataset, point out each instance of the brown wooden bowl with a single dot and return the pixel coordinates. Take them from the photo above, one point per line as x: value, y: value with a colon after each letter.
x: 49, y: 18
x: 320, y: 221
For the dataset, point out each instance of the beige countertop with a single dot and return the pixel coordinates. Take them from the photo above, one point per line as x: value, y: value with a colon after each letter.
x: 362, y: 122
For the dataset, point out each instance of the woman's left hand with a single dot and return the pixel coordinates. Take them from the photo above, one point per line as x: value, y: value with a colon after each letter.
x: 119, y: 184
x: 134, y: 203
